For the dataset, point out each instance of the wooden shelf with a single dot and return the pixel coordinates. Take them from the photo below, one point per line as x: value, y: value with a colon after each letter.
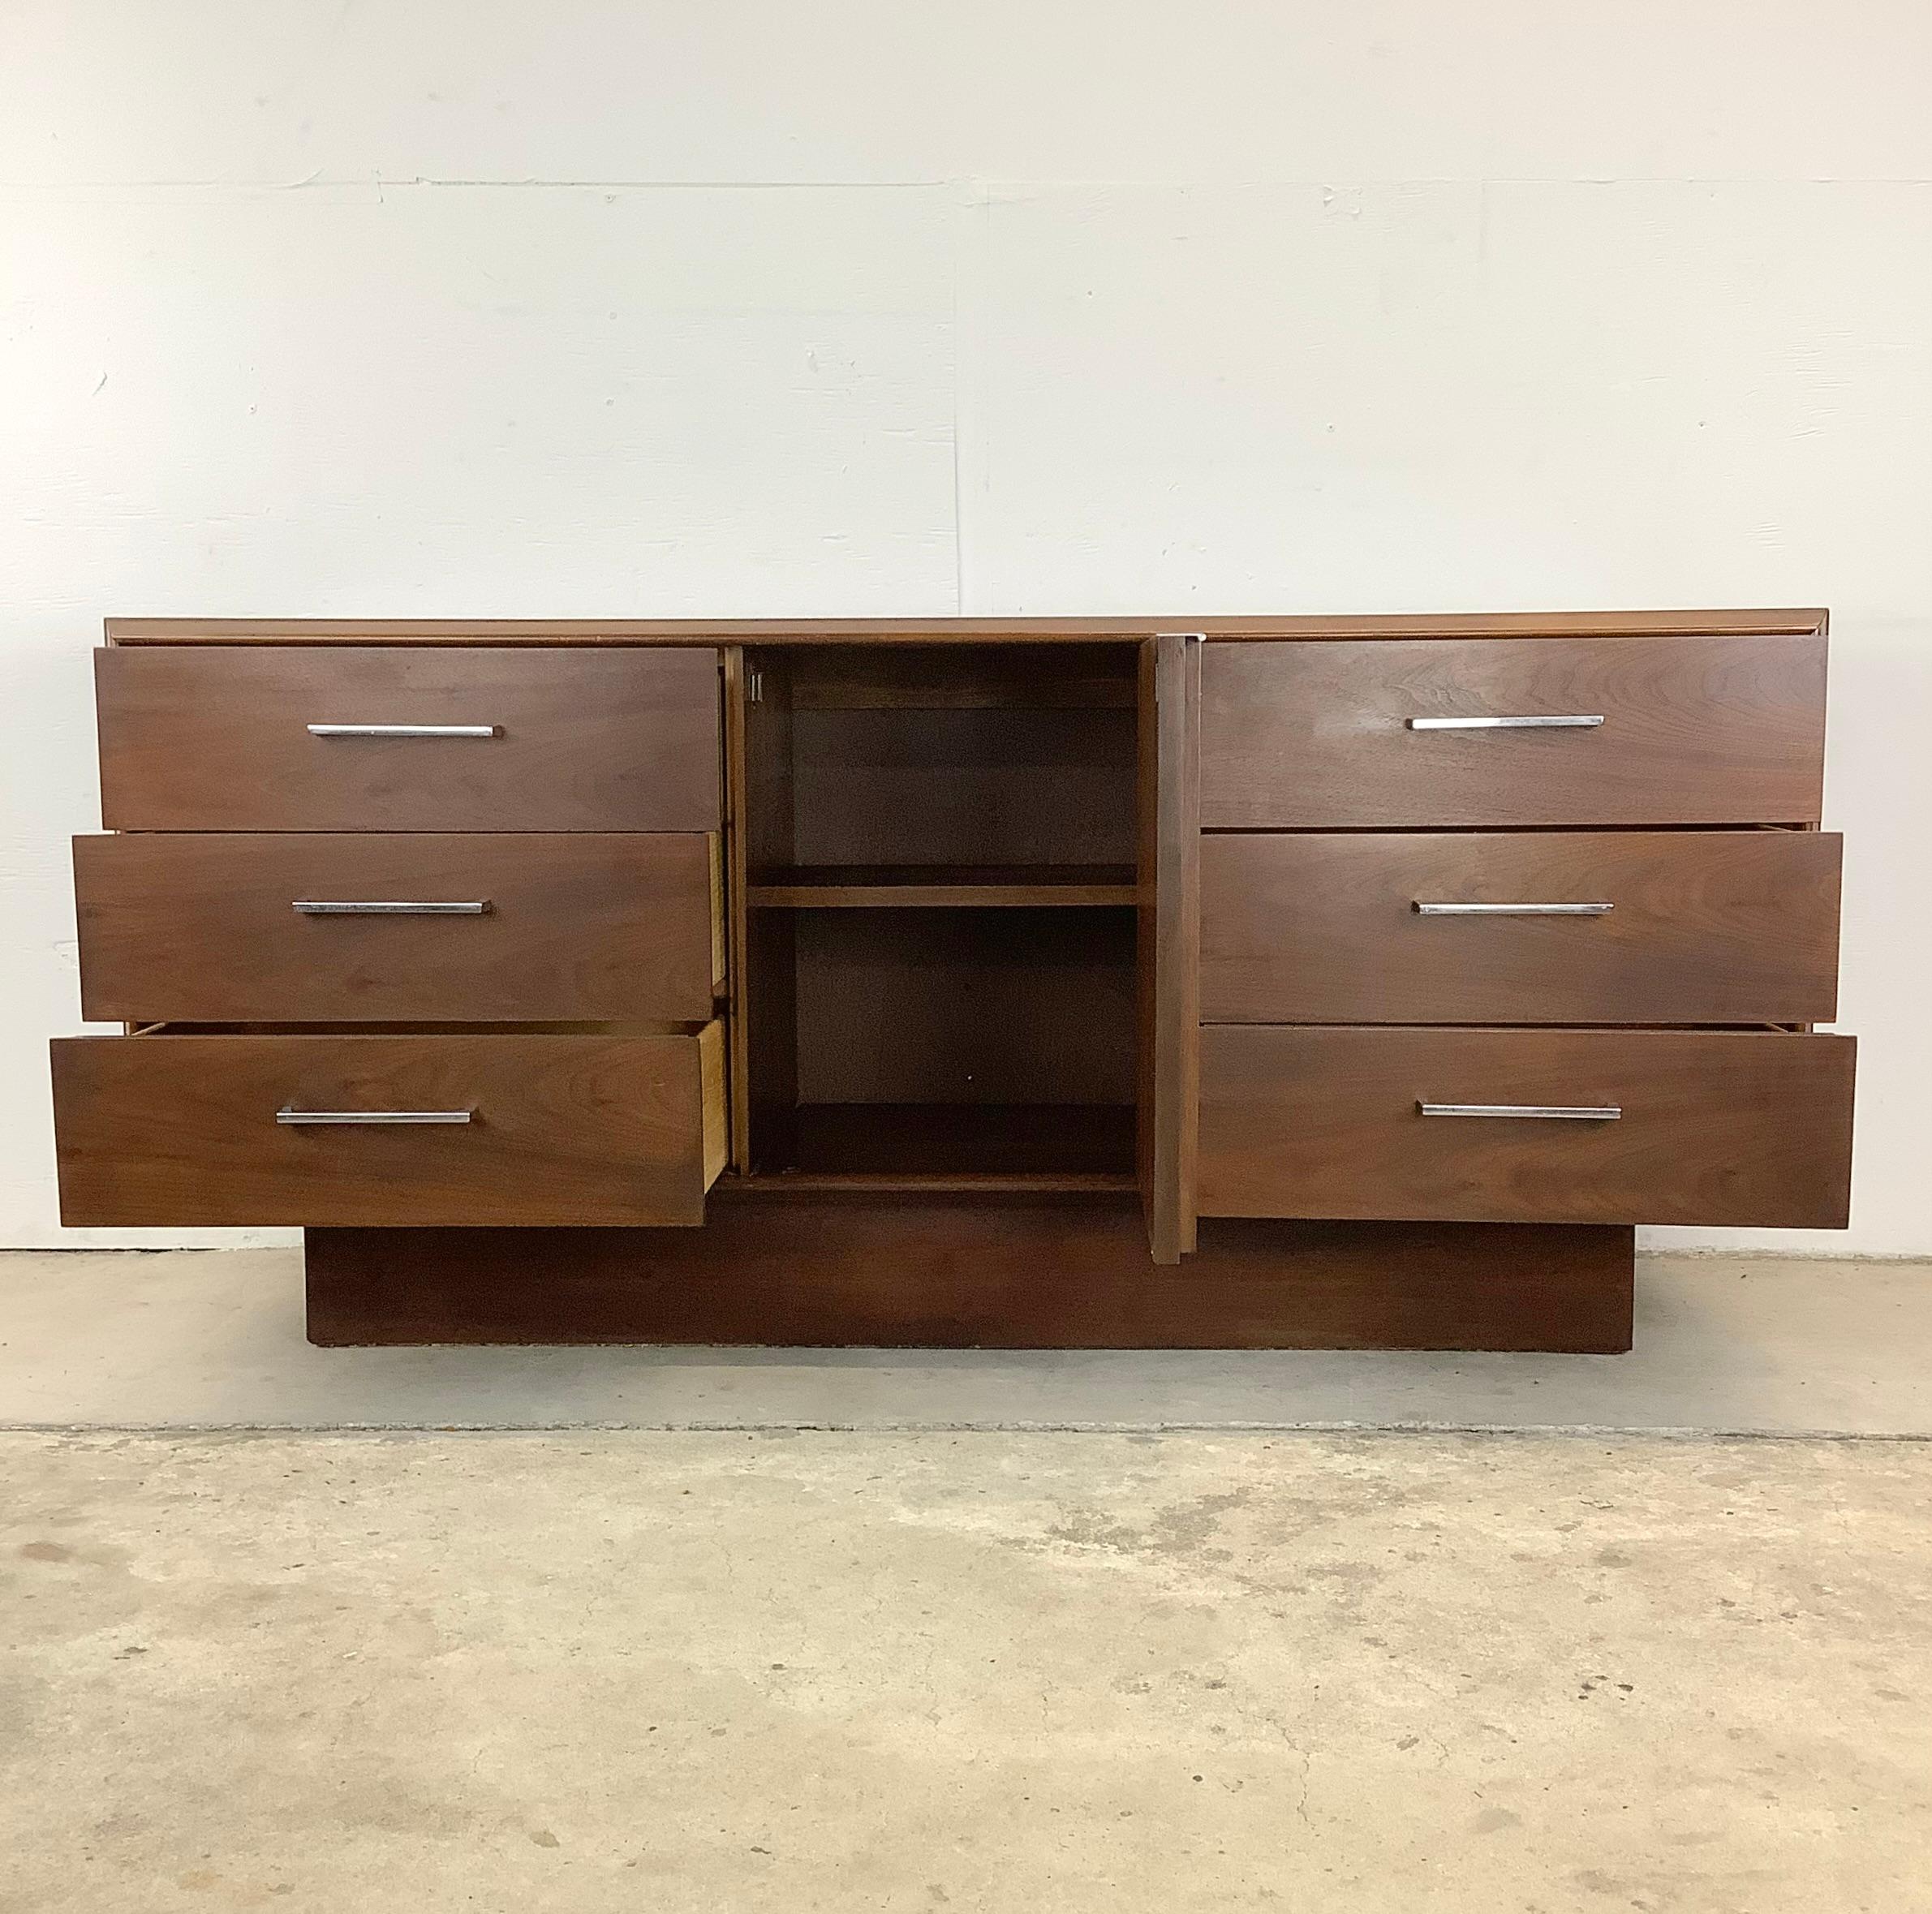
x: 935, y: 1183
x: 886, y: 887
x: 1085, y: 1147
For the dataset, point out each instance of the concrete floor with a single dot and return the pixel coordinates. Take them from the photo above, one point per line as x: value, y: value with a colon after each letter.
x: 1423, y: 1673
x: 214, y: 1340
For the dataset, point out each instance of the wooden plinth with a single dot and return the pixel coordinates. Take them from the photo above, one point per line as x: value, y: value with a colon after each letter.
x: 895, y: 1271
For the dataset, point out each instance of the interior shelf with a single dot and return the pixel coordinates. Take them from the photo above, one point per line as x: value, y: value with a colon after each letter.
x: 938, y: 1182
x: 964, y: 1145
x: 938, y: 977
x: 875, y: 887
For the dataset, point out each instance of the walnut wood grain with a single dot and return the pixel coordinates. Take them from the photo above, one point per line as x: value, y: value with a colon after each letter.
x: 768, y: 996
x: 1167, y: 972
x: 977, y: 786
x: 987, y: 676
x: 1725, y: 730
x: 940, y: 896
x: 1718, y: 1127
x: 989, y: 745
x: 736, y: 691
x: 917, y: 1143
x: 961, y: 1272
x: 949, y: 887
x: 201, y: 927
x: 944, y: 1006
x: 1706, y: 927
x: 206, y: 739
x: 925, y: 630
x: 167, y: 1130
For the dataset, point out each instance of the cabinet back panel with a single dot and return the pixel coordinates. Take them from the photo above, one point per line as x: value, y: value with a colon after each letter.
x: 952, y: 677
x: 979, y: 785
x: 1015, y: 1006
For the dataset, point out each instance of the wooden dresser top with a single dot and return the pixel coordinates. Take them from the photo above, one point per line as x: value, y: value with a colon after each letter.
x: 914, y: 629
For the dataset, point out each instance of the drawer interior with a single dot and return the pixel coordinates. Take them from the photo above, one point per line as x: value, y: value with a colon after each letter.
x: 940, y: 964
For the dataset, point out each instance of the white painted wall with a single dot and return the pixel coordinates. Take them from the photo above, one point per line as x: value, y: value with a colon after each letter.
x: 756, y: 307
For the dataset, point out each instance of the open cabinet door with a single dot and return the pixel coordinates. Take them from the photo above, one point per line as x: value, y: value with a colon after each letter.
x: 760, y: 837
x: 1169, y: 938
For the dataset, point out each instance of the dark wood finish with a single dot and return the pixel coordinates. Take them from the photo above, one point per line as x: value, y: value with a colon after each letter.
x: 168, y: 1129
x: 960, y: 677
x: 581, y: 926
x: 1708, y: 927
x: 922, y: 1140
x: 962, y: 1273
x: 970, y: 786
x: 1168, y: 983
x: 877, y: 887
x: 1146, y: 941
x: 736, y: 860
x: 1718, y: 1127
x: 936, y: 1093
x: 204, y: 739
x: 770, y: 994
x: 964, y: 1006
x: 897, y: 632
x: 1697, y: 730
x: 719, y: 914
x: 772, y: 1003
x: 916, y: 822
x: 922, y: 757
x: 942, y: 1182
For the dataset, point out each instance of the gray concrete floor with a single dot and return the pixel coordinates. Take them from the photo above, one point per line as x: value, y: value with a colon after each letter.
x: 214, y: 1340
x: 1424, y: 1674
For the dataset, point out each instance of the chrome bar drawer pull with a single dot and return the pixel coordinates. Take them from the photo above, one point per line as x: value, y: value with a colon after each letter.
x: 383, y: 907
x: 1422, y: 909
x: 1577, y: 723
x: 405, y: 730
x: 342, y: 1116
x: 1563, y: 1112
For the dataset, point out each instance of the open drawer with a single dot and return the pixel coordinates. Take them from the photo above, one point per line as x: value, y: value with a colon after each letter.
x: 491, y: 1128
x: 1739, y: 1127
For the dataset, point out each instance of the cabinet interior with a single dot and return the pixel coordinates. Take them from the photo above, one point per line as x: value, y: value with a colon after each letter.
x: 939, y: 848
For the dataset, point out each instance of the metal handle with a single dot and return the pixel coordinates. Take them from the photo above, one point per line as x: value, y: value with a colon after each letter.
x: 1535, y: 723
x: 1564, y: 1112
x: 1422, y: 909
x: 306, y: 1116
x: 383, y: 907
x: 405, y: 730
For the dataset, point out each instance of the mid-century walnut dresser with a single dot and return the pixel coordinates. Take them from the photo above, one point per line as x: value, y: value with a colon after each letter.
x: 1107, y: 983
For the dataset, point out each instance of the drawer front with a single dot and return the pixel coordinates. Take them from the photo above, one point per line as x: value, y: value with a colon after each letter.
x: 221, y: 738
x: 1309, y: 736
x: 1649, y: 928
x: 1716, y: 1127
x: 561, y: 1129
x: 314, y: 926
